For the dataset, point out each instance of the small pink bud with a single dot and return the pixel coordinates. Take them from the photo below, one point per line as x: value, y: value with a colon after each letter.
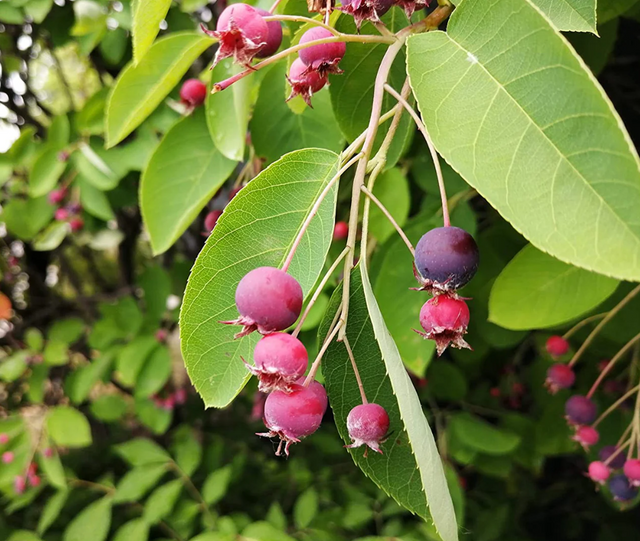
x: 161, y: 335
x: 169, y: 403
x: 19, y: 484
x: 8, y: 457
x: 48, y: 452
x: 180, y: 396
x: 4, y: 439
x: 34, y: 480
x: 61, y: 215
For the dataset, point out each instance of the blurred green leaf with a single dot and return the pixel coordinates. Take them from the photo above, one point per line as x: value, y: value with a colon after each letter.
x: 12, y: 367
x: 141, y: 452
x: 47, y: 169
x: 26, y: 217
x: 51, y: 237
x: 263, y: 531
x: 92, y: 522
x: 216, y: 485
x: 66, y: 331
x: 109, y: 408
x: 147, y: 16
x: 446, y: 381
x: 56, y: 353
x: 68, y: 427
x: 480, y: 435
x: 133, y: 357
x: 52, y: 510
x: 305, y: 508
x: 134, y: 530
x: 94, y: 201
x: 154, y: 374
x: 137, y: 482
x: 187, y: 450
x: 161, y: 501
x: 34, y: 339
x: 392, y: 190
x: 53, y: 470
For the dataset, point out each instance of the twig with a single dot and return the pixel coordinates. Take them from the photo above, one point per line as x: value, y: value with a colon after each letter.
x: 300, y: 19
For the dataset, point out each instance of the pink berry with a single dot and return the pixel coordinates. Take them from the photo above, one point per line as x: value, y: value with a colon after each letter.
x: 241, y: 33
x: 274, y: 39
x: 323, y: 58
x: 598, y: 472
x: 445, y: 321
x: 340, y: 231
x: 366, y: 10
x: 559, y: 376
x: 161, y: 335
x: 210, y: 220
x: 34, y: 481
x: 193, y: 92
x: 294, y: 415
x: 368, y: 424
x: 56, y: 197
x: 48, y: 452
x: 76, y: 224
x: 7, y: 457
x: 4, y: 438
x: 580, y: 410
x: 19, y: 484
x: 304, y: 81
x: 632, y: 471
x: 61, y: 215
x: 268, y: 300
x: 168, y: 403
x: 32, y: 469
x: 586, y: 436
x: 557, y: 346
x: 180, y: 396
x: 280, y: 360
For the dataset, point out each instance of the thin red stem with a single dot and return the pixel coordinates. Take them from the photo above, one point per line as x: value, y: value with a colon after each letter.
x: 363, y: 396
x: 316, y: 364
x: 611, y: 364
x: 613, y: 406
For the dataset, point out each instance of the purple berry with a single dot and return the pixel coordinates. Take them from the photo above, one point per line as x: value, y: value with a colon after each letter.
x: 557, y: 346
x: 445, y: 320
x: 193, y: 92
x: 559, y: 376
x: 304, y: 81
x: 632, y: 471
x: 323, y: 58
x: 586, y: 436
x: 446, y: 258
x: 280, y: 360
x: 580, y: 410
x: 598, y: 472
x: 268, y: 300
x: 621, y: 490
x: 368, y: 424
x: 366, y: 10
x: 608, y: 451
x: 274, y: 39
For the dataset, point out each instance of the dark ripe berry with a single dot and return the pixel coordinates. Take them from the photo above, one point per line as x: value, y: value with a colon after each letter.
x: 324, y: 57
x: 599, y: 472
x: 621, y: 490
x: 268, y: 300
x: 76, y: 224
x: 446, y: 258
x: 280, y: 360
x: 274, y: 38
x: 632, y: 471
x: 557, y: 346
x: 340, y: 231
x: 241, y: 33
x: 74, y: 207
x: 559, y: 376
x: 61, y: 215
x: 304, y: 81
x: 366, y: 10
x: 580, y: 410
x: 210, y: 220
x: 607, y: 452
x: 294, y: 415
x: 445, y: 320
x: 193, y: 92
x: 367, y: 424
x: 586, y: 436
x: 57, y: 196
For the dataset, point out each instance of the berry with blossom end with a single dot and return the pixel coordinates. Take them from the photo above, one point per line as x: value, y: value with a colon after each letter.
x: 193, y: 93
x: 410, y: 6
x: 557, y: 346
x: 268, y: 300
x: 599, y: 472
x: 632, y: 470
x: 8, y: 457
x: 366, y: 10
x: 210, y: 221
x: 607, y: 452
x: 280, y: 360
x: 56, y: 197
x: 445, y: 321
x: 621, y: 490
x: 323, y: 58
x: 241, y: 32
x: 274, y: 38
x: 559, y: 376
x: 580, y: 410
x: 340, y: 231
x: 586, y: 436
x: 367, y: 424
x: 305, y: 82
x: 19, y: 484
x: 446, y: 259
x: 294, y: 415
x: 4, y: 438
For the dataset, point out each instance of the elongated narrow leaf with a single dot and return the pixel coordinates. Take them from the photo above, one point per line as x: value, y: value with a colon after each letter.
x: 257, y: 229
x: 140, y: 88
x: 570, y: 15
x: 410, y: 470
x: 537, y: 136
x: 184, y: 172
x: 536, y: 290
x: 147, y: 16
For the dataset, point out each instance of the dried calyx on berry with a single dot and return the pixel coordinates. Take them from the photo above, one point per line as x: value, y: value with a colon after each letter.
x: 324, y: 57
x: 274, y: 38
x: 445, y: 320
x: 557, y: 346
x: 559, y: 376
x: 621, y: 489
x: 268, y: 300
x: 446, y: 259
x: 368, y: 425
x: 193, y: 93
x: 366, y: 10
x: 586, y: 436
x: 304, y: 82
x: 410, y: 6
x: 580, y: 410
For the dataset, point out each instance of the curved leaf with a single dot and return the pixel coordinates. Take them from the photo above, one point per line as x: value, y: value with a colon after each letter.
x: 92, y: 523
x: 147, y: 16
x: 481, y: 436
x: 47, y: 169
x: 256, y: 229
x: 570, y: 15
x: 537, y: 136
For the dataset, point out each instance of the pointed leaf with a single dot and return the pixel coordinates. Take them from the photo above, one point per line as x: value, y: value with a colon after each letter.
x: 481, y: 436
x: 68, y: 427
x: 216, y: 484
x: 570, y: 15
x: 141, y: 451
x: 134, y: 530
x: 51, y: 237
x: 51, y: 510
x: 161, y: 501
x: 137, y: 482
x: 147, y: 16
x: 92, y: 523
x: 47, y: 169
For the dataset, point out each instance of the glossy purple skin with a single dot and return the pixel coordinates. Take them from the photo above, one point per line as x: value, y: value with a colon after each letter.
x: 274, y: 38
x: 311, y: 79
x: 617, y: 462
x: 283, y: 354
x: 448, y: 256
x: 621, y: 489
x: 323, y: 53
x: 247, y: 19
x: 270, y: 298
x: 368, y: 422
x: 296, y: 414
x: 580, y: 410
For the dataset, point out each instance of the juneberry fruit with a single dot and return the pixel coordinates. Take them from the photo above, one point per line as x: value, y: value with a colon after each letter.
x: 445, y: 320
x: 559, y: 376
x: 8, y: 457
x: 580, y: 410
x: 621, y: 490
x: 4, y: 438
x: 446, y: 259
x: 280, y: 360
x: 241, y: 32
x: 56, y: 197
x: 193, y: 92
x: 586, y: 436
x: 61, y: 215
x: 76, y: 223
x: 557, y: 346
x: 274, y: 37
x: 210, y: 221
x: 34, y: 480
x: 367, y: 424
x: 340, y: 231
x: 268, y: 300
x: 599, y: 472
x: 323, y: 58
x: 632, y: 471
x: 366, y: 10
x: 294, y: 415
x: 607, y: 452
x: 305, y: 82
x: 19, y: 484
x: 48, y: 452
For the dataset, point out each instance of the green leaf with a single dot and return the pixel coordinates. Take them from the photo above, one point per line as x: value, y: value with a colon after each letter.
x: 87, y: 376
x: 90, y: 17
x: 183, y: 174
x: 187, y: 450
x: 156, y: 418
x: 10, y: 14
x: 447, y: 381
x: 58, y: 132
x: 481, y: 436
x: 68, y: 427
x: 276, y: 130
x: 257, y: 229
x: 12, y: 367
x: 560, y: 168
x: 228, y: 112
x: 92, y: 523
x: 610, y: 9
x: 156, y: 286
x: 261, y: 531
x: 216, y: 484
x: 93, y: 169
x: 26, y: 217
x: 142, y: 451
x: 570, y: 15
x: 140, y: 88
x: 94, y: 200
x: 134, y: 530
x: 147, y: 16
x: 66, y: 331
x: 53, y: 470
x: 90, y: 120
x: 132, y: 358
x: 51, y: 510
x: 305, y: 508
x: 410, y: 470
x: 38, y: 9
x: 162, y: 501
x: 154, y: 374
x: 47, y: 169
x: 109, y: 407
x: 51, y: 237
x: 137, y: 482
x: 34, y: 339
x: 392, y: 189
x: 536, y: 291
x: 23, y: 535
x: 56, y: 353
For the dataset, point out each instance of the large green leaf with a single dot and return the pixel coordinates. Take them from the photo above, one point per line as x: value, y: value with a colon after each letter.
x: 257, y: 229
x: 183, y: 174
x: 147, y: 16
x: 570, y: 15
x: 536, y: 290
x: 410, y: 470
x: 537, y: 136
x: 140, y: 88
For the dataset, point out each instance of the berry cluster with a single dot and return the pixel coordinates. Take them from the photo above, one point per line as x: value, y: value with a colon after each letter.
x: 31, y: 477
x: 70, y: 213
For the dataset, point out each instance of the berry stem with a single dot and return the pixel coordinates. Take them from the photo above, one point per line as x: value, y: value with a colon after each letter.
x: 618, y: 451
x: 636, y: 428
x: 389, y: 217
x: 300, y: 19
x: 273, y: 7
x: 613, y: 406
x: 581, y: 324
x: 316, y: 363
x: 611, y: 364
x: 434, y: 155
x: 314, y: 211
x: 345, y: 340
x: 612, y: 313
x: 357, y: 143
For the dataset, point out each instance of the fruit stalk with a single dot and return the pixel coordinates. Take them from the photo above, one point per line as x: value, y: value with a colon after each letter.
x: 611, y: 364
